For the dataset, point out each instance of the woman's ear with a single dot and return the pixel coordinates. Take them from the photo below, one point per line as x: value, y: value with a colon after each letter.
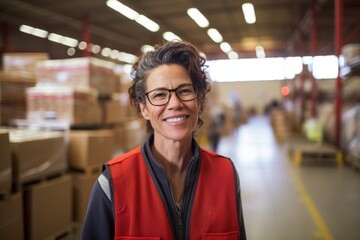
x: 144, y: 111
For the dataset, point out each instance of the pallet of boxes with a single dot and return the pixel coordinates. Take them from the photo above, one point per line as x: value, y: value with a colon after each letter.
x: 88, y: 96
x: 34, y: 184
x: 75, y: 118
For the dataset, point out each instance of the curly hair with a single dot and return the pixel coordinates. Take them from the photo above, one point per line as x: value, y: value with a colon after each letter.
x: 175, y: 52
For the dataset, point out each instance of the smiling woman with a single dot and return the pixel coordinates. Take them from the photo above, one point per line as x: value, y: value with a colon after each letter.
x: 194, y: 193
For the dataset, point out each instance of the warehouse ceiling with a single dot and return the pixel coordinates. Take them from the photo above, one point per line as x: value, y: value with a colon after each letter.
x: 283, y: 27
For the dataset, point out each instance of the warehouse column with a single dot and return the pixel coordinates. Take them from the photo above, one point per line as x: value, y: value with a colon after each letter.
x: 313, y: 52
x: 338, y: 43
x: 86, y: 36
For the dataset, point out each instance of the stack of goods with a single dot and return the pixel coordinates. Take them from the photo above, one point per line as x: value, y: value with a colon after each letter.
x: 34, y: 165
x: 281, y: 124
x: 18, y: 74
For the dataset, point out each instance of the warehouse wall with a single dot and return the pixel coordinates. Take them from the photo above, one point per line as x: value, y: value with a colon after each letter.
x: 251, y: 94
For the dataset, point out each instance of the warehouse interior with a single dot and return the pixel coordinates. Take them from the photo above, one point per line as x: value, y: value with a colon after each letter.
x: 294, y: 139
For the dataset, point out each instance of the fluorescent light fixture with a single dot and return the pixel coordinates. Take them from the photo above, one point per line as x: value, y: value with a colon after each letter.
x: 127, y: 57
x: 95, y: 48
x: 39, y: 33
x: 225, y: 47
x: 260, y: 52
x: 249, y: 13
x: 26, y: 29
x: 71, y: 42
x: 147, y: 48
x: 198, y: 17
x: 106, y: 52
x: 71, y: 51
x: 33, y: 31
x: 114, y: 54
x: 147, y: 23
x: 169, y: 36
x: 55, y: 37
x: 82, y: 45
x: 233, y: 55
x: 133, y: 15
x: 215, y: 35
x: 123, y: 9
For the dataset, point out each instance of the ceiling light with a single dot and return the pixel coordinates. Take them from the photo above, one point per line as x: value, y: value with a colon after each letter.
x: 215, y: 35
x: 71, y: 42
x: 106, y: 52
x: 82, y: 45
x: 225, y: 47
x: 249, y: 13
x: 114, y: 54
x: 26, y: 29
x: 33, y: 31
x: 133, y: 15
x: 71, y: 51
x: 95, y: 49
x: 123, y: 9
x: 147, y: 23
x: 127, y: 57
x: 39, y: 33
x: 55, y: 37
x: 233, y: 55
x: 198, y: 17
x: 260, y: 53
x: 169, y: 36
x: 147, y: 48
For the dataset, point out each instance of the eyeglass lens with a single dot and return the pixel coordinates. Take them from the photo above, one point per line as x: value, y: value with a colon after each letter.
x: 162, y: 96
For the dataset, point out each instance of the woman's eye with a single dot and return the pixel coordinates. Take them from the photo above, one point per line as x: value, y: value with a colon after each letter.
x: 159, y: 95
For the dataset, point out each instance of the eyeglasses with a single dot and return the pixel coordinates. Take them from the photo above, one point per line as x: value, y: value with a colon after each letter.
x: 161, y: 96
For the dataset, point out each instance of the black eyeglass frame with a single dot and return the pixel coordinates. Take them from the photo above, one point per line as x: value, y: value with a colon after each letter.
x: 169, y: 96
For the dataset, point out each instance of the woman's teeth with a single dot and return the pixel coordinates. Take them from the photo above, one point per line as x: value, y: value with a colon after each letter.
x: 177, y: 119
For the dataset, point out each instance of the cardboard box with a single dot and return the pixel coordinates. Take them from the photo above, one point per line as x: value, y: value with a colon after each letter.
x: 11, y: 111
x: 83, y: 184
x: 117, y: 109
x: 23, y: 63
x: 5, y: 162
x: 79, y: 73
x: 63, y: 104
x: 37, y: 155
x: 13, y: 89
x: 88, y: 149
x: 48, y: 208
x: 11, y: 217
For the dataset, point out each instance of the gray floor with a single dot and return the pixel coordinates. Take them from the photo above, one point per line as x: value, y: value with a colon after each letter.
x: 282, y: 201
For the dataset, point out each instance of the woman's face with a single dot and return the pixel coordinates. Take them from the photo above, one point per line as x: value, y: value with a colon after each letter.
x: 176, y: 120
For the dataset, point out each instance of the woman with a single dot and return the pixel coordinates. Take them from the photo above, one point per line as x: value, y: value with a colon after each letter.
x: 169, y: 188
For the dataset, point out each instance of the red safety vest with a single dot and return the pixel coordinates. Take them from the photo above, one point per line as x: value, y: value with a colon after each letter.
x: 140, y: 212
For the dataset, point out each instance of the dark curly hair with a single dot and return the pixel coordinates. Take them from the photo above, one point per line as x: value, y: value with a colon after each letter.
x: 175, y: 52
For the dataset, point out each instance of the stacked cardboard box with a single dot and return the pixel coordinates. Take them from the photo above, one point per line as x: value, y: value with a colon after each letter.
x: 48, y: 208
x: 18, y: 74
x: 79, y: 73
x: 63, y: 104
x: 88, y: 151
x: 22, y: 64
x: 5, y: 163
x: 36, y: 155
x: 11, y: 217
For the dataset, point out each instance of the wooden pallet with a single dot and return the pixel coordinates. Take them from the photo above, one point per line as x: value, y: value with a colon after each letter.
x: 313, y: 152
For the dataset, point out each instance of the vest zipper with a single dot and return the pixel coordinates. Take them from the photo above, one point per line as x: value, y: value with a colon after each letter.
x: 180, y: 225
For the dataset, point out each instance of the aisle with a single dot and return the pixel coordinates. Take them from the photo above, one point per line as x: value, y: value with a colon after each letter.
x: 285, y: 202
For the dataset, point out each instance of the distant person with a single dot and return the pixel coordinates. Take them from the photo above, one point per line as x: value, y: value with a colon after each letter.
x: 170, y: 187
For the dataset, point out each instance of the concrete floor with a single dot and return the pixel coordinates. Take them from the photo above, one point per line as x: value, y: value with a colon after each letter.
x: 285, y: 202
